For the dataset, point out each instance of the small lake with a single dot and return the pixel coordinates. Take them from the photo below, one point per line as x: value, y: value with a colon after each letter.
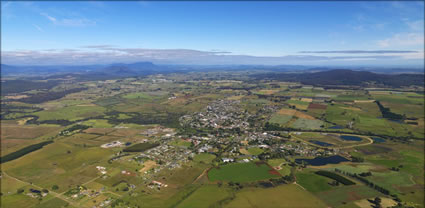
x: 323, y: 144
x: 378, y: 140
x: 350, y: 138
x: 336, y: 127
x: 318, y: 161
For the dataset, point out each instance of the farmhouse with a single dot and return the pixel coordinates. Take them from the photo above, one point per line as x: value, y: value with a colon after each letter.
x: 112, y: 144
x: 227, y: 160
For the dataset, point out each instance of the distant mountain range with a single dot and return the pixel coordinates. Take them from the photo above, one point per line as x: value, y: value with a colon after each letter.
x: 145, y: 68
x: 306, y: 75
x: 346, y: 77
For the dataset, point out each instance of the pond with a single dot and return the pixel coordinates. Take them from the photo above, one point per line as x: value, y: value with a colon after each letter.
x: 378, y: 140
x: 318, y: 161
x: 336, y: 127
x: 350, y: 138
x: 323, y: 144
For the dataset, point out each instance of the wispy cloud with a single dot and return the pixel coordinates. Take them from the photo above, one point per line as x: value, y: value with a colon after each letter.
x: 38, y: 28
x: 417, y: 25
x: 69, y: 21
x: 362, y: 51
x: 98, y: 46
x: 50, y: 18
x: 403, y: 39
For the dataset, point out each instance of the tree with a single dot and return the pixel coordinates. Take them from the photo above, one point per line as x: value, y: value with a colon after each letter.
x: 55, y: 187
x: 377, y: 201
x: 19, y: 191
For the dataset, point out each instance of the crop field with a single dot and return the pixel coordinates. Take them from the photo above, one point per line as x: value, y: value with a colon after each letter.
x: 281, y: 196
x: 71, y: 113
x: 316, y: 106
x: 206, y: 196
x: 303, y: 123
x: 63, y: 162
x: 341, y: 195
x: 280, y: 119
x: 24, y: 132
x: 241, y: 172
x: 313, y: 182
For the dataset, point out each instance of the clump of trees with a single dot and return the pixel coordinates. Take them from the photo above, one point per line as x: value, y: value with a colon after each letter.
x: 364, y: 180
x: 335, y: 176
x: 386, y: 113
x: 357, y: 159
x: 74, y: 128
x: 47, y: 96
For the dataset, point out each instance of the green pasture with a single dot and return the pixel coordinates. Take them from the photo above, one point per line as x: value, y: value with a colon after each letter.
x: 289, y: 196
x: 240, y: 172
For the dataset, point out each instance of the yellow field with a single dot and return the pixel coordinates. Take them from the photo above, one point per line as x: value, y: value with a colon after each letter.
x: 15, y: 97
x: 286, y: 111
x: 364, y: 101
x: 268, y: 92
x: 352, y: 108
x: 24, y: 121
x: 292, y: 112
x: 301, y: 107
x: 303, y: 115
x: 309, y: 100
x: 244, y: 151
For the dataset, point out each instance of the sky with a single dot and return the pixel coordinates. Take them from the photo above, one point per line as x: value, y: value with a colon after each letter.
x: 176, y: 32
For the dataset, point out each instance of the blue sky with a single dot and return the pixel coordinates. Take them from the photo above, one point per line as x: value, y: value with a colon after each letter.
x: 308, y: 33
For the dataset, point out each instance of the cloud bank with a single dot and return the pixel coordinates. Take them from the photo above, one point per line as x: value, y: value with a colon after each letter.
x: 107, y: 54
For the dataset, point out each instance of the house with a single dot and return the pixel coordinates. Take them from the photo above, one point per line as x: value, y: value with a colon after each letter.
x: 227, y: 160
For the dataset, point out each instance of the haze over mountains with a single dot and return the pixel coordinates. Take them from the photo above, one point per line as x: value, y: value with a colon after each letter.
x: 145, y: 68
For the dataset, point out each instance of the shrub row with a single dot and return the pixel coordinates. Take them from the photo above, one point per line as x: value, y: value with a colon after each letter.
x: 335, y: 176
x: 23, y: 151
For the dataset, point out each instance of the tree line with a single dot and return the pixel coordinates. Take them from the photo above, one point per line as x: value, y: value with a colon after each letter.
x: 23, y: 151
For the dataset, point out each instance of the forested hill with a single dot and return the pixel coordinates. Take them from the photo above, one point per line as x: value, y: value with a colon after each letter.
x: 346, y: 77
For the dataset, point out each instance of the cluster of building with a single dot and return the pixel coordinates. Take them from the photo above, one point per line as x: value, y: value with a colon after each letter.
x: 101, y: 169
x: 112, y: 144
x: 223, y: 114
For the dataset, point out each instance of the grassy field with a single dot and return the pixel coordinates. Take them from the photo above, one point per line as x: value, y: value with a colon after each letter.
x: 58, y: 163
x: 280, y: 119
x: 53, y: 203
x: 204, y: 158
x: 180, y: 142
x: 302, y: 123
x: 240, y: 172
x: 206, y: 196
x: 281, y: 196
x: 313, y: 182
x: 98, y: 123
x: 70, y: 113
x: 281, y: 165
